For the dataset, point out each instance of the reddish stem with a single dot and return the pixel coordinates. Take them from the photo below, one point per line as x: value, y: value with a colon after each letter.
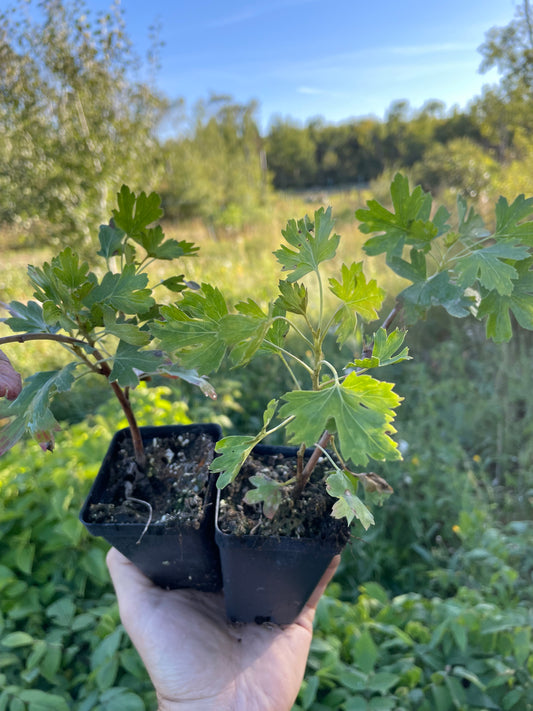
x: 102, y: 368
x: 23, y: 337
x: 302, y: 480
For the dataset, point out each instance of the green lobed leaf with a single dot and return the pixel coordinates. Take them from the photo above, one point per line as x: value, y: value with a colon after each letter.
x: 358, y: 297
x: 56, y: 317
x: 129, y: 362
x: 128, y: 332
x: 487, y: 265
x: 177, y: 284
x: 68, y: 269
x: 31, y: 410
x: 438, y: 290
x: 415, y: 270
x: 122, y: 292
x: 313, y: 243
x: 27, y: 318
x: 194, y: 332
x: 266, y: 491
x: 134, y: 214
x: 497, y: 308
x: 245, y: 332
x: 360, y: 410
x: 153, y: 241
x: 471, y: 225
x: 384, y: 350
x: 293, y: 297
x: 235, y: 449
x: 509, y: 219
x: 342, y: 485
x: 64, y: 281
x: 111, y: 240
x: 365, y: 298
x: 11, y: 432
x: 408, y: 224
x: 46, y: 284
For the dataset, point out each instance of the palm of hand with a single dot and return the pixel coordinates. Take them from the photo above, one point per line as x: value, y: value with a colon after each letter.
x: 196, y: 660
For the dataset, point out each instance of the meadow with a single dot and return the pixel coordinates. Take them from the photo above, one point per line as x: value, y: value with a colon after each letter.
x: 431, y: 608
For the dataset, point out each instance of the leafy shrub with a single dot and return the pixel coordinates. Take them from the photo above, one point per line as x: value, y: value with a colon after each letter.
x: 493, y: 559
x: 461, y: 164
x: 414, y: 654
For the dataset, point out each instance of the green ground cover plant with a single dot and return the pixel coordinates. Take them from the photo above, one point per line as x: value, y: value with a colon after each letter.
x: 420, y: 654
x: 62, y: 646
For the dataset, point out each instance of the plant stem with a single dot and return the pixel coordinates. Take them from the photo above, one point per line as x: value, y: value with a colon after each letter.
x: 138, y: 447
x: 103, y: 369
x: 323, y: 442
x: 291, y: 355
x: 390, y: 318
x: 23, y: 337
x: 305, y: 475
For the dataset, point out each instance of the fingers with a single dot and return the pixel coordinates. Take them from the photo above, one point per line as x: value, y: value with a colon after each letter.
x: 125, y: 575
x: 306, y: 617
x: 323, y: 582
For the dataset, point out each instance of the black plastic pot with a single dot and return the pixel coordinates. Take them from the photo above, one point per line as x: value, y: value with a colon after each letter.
x: 269, y: 579
x: 172, y: 557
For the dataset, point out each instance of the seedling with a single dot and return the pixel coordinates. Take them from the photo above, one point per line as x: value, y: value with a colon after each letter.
x: 101, y: 317
x: 467, y: 270
x: 110, y: 324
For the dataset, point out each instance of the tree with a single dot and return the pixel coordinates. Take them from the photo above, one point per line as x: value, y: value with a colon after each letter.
x: 291, y: 155
x: 74, y: 122
x: 216, y: 168
x: 504, y: 112
x: 460, y: 164
x: 510, y: 50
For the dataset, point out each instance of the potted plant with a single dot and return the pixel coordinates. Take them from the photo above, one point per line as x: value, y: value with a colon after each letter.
x: 338, y: 417
x: 154, y: 496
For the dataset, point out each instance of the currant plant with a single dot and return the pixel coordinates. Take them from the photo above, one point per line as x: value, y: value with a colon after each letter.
x: 112, y: 324
x: 467, y: 269
x: 101, y: 317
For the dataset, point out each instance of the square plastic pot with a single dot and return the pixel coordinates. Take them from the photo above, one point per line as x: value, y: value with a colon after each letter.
x: 172, y: 557
x: 267, y: 579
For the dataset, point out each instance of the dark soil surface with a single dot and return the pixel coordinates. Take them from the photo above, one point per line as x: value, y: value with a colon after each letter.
x: 175, y: 483
x: 308, y: 517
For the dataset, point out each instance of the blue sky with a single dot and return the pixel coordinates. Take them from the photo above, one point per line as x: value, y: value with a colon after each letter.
x: 332, y: 58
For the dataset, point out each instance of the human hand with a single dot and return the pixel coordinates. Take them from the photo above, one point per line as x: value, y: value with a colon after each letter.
x: 197, y: 661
